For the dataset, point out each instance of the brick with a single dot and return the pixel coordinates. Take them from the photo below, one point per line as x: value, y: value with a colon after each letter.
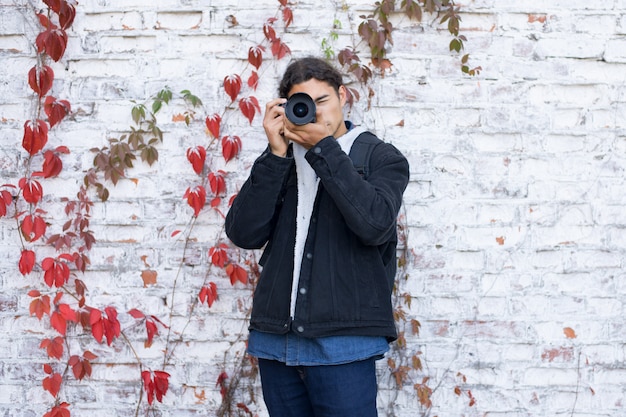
x: 615, y: 51
x: 11, y: 20
x: 183, y: 20
x: 578, y: 47
x: 552, y: 376
x: 114, y: 20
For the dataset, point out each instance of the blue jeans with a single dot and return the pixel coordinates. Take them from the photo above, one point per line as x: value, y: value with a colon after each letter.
x: 347, y: 390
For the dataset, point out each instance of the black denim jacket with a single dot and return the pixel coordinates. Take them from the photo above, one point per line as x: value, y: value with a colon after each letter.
x: 349, y: 261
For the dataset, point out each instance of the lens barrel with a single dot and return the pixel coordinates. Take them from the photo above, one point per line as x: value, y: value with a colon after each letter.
x: 300, y: 109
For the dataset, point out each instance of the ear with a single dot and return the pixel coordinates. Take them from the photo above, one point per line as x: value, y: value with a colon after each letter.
x: 343, y: 95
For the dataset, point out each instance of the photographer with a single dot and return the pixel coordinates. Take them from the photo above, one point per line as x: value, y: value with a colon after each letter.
x: 322, y: 312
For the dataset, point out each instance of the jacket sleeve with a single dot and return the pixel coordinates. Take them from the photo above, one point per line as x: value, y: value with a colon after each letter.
x: 249, y: 222
x: 370, y: 206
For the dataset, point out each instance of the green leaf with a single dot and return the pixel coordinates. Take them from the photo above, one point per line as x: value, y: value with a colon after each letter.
x: 453, y: 26
x: 455, y: 45
x: 190, y: 98
x: 157, y: 133
x: 165, y: 95
x: 156, y: 106
x: 150, y: 155
x: 138, y: 113
x: 134, y: 139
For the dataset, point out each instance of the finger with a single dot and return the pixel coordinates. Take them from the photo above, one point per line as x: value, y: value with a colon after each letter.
x: 275, y: 105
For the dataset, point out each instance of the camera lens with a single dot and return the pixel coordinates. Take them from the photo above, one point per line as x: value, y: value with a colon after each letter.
x: 300, y: 109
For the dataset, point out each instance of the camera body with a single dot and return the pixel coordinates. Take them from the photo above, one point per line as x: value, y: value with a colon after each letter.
x: 300, y: 109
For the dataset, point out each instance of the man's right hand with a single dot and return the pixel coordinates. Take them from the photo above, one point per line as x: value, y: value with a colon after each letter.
x: 273, y: 123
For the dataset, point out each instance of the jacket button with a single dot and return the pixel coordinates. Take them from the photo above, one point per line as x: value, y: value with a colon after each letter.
x: 300, y: 329
x: 302, y: 290
x: 309, y: 255
x: 317, y: 150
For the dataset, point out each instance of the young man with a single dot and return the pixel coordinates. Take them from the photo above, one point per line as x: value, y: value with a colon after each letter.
x: 322, y: 311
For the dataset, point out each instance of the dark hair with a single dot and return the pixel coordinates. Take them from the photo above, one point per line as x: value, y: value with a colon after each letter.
x: 307, y: 68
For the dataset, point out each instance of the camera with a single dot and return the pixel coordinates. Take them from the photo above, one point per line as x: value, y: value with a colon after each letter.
x: 300, y: 109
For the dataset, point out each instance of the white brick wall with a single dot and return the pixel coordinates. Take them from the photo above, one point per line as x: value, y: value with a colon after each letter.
x: 514, y: 209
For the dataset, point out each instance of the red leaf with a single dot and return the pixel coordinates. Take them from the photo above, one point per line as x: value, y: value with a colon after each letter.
x: 97, y: 325
x: 62, y: 149
x: 5, y: 200
x: 151, y: 324
x: 89, y: 355
x: 232, y: 85
x: 52, y: 164
x: 196, y: 198
x: 268, y: 30
x: 81, y: 367
x: 156, y: 387
x: 152, y: 330
x: 45, y: 22
x: 27, y: 261
x: 208, y: 294
x: 67, y: 312
x: 249, y: 106
x: 54, y: 347
x: 221, y: 382
x: 59, y: 411
x: 287, y: 17
x: 40, y: 79
x: 60, y: 317
x: 58, y: 322
x: 213, y: 124
x: 197, y: 157
x: 53, y: 41
x: 215, y: 202
x: 218, y: 255
x: 255, y: 56
x: 67, y: 13
x: 56, y: 272
x: 231, y: 145
x: 217, y: 182
x: 136, y: 313
x: 107, y: 326
x: 236, y: 273
x: 80, y: 288
x: 161, y: 383
x: 111, y: 325
x: 52, y: 384
x: 253, y: 81
x: 33, y: 227
x: 148, y: 385
x: 55, y: 5
x: 35, y: 136
x: 32, y: 191
x: 56, y: 110
x: 280, y: 49
x: 40, y: 305
x: 65, y: 9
